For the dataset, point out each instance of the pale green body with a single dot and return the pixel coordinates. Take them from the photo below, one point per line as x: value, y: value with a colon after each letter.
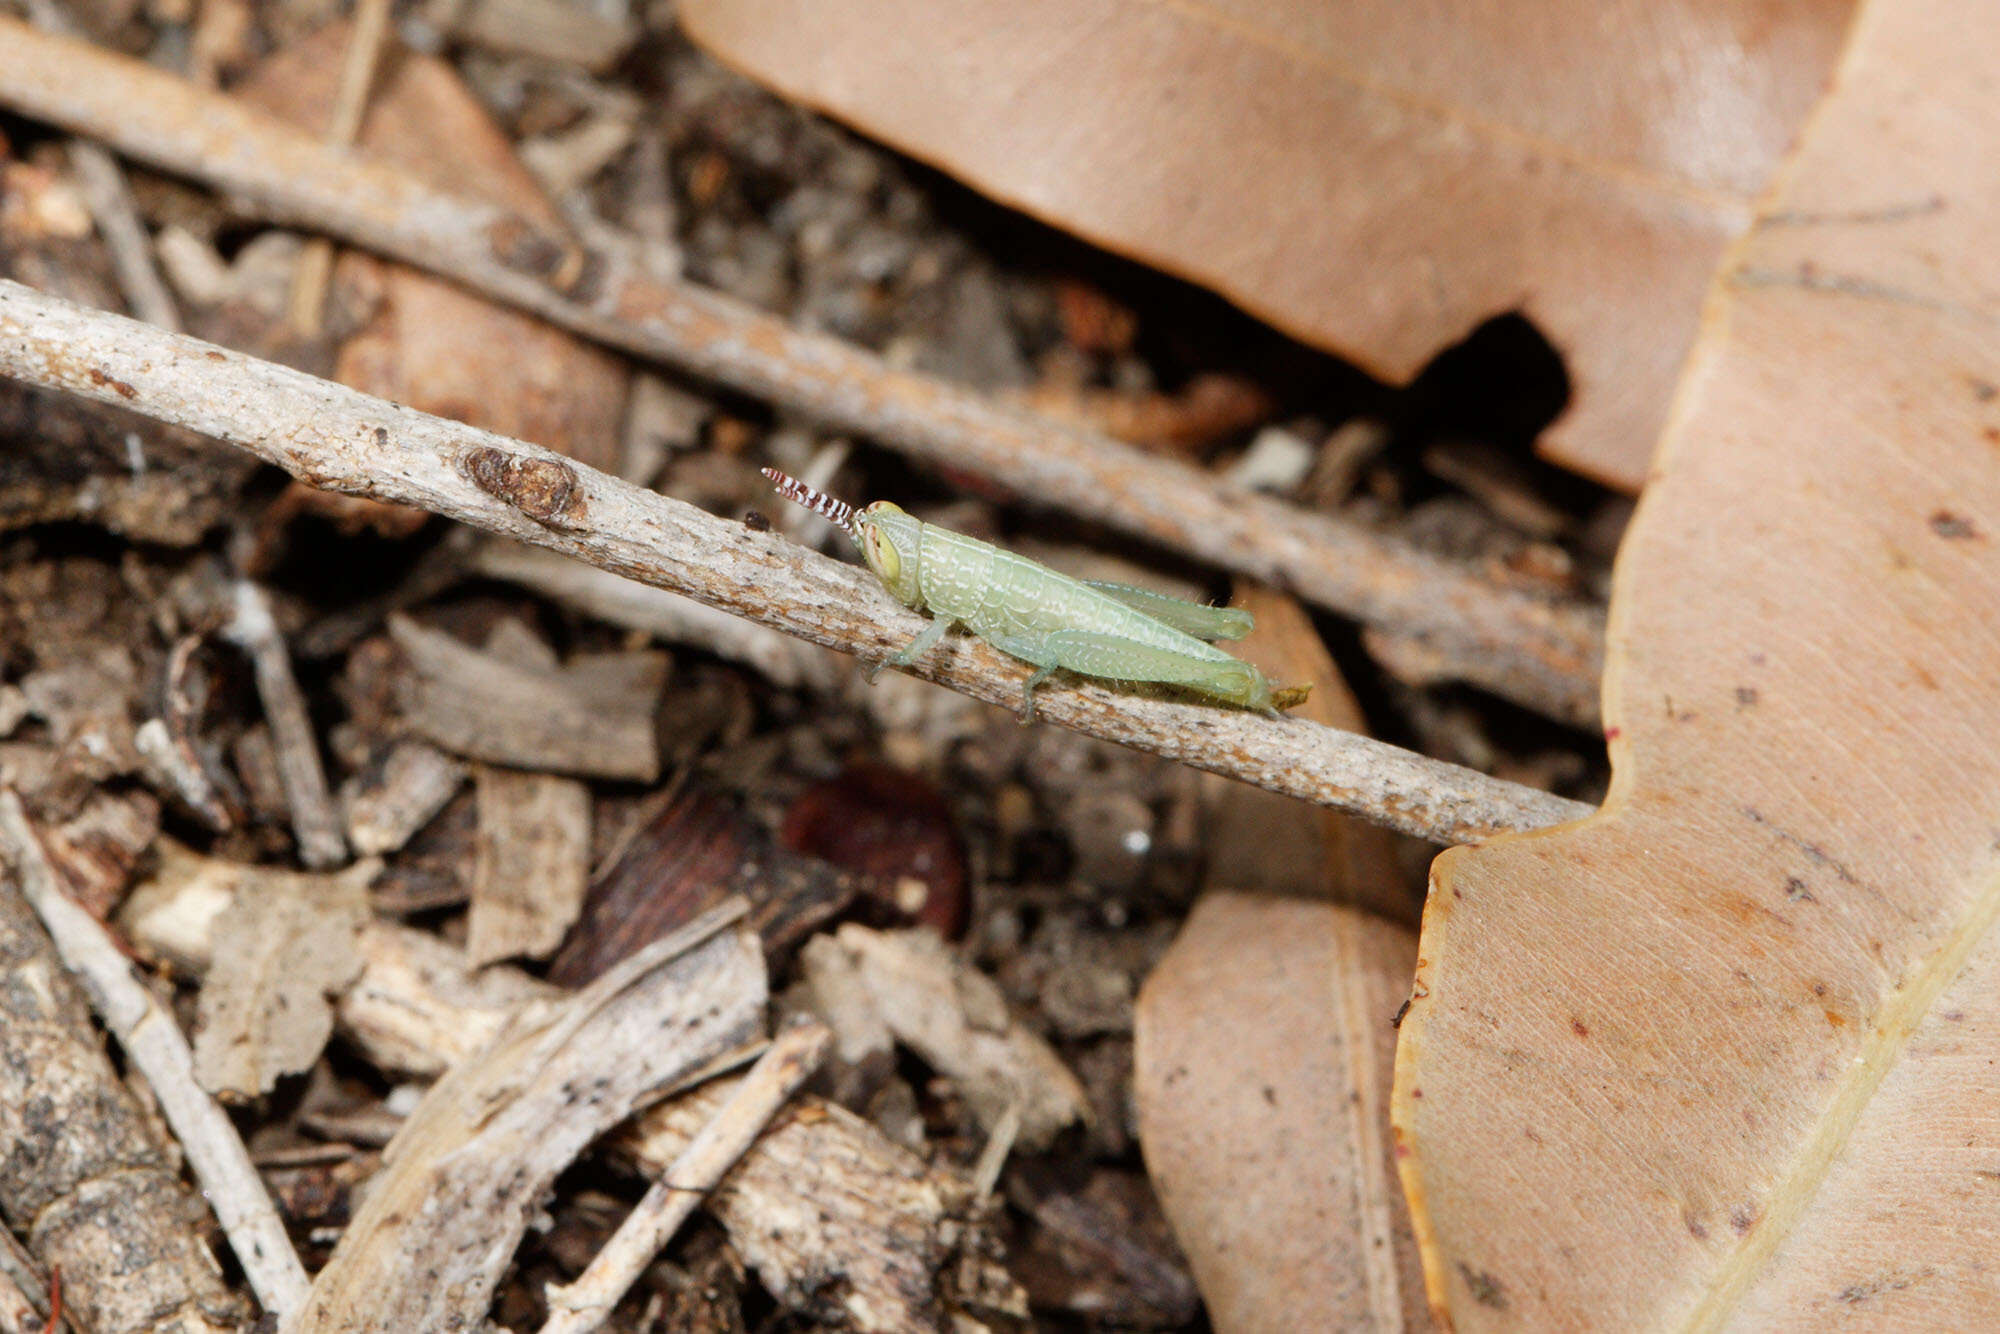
x: 1046, y: 618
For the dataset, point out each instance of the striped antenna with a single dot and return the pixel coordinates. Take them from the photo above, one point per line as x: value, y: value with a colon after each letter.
x: 820, y: 503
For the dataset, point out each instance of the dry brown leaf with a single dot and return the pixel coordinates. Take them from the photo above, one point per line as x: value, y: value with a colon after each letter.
x: 430, y: 344
x: 1260, y: 842
x: 1724, y: 1056
x: 1376, y: 177
x: 1264, y: 1041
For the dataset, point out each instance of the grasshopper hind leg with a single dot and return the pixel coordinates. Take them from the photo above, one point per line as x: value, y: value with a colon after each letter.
x: 1114, y: 658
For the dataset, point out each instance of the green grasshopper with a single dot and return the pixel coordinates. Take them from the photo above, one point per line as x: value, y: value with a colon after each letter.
x: 1114, y: 631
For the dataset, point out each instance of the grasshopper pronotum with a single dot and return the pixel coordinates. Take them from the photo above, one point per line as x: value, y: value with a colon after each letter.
x: 1047, y: 619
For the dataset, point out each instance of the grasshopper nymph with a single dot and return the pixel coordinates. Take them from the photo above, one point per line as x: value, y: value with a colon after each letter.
x: 1028, y: 611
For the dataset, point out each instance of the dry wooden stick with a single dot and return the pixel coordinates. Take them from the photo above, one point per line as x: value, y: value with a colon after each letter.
x: 584, y: 1305
x: 341, y: 440
x: 156, y: 1045
x: 465, y: 1174
x: 111, y: 206
x: 1544, y: 655
x: 305, y: 307
x: 315, y: 823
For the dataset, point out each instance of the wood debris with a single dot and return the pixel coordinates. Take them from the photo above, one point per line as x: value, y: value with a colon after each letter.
x: 594, y: 717
x: 532, y: 863
x: 396, y: 794
x: 956, y: 1019
x: 285, y: 946
x: 835, y: 1217
x: 442, y: 1220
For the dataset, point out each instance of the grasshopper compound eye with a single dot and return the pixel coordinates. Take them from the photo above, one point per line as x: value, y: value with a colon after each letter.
x: 881, y: 553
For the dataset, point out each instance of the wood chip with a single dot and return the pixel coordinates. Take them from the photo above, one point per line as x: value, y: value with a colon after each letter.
x: 285, y: 945
x: 463, y: 1177
x: 954, y: 1017
x: 419, y: 1007
x: 531, y: 865
x: 556, y: 30
x: 829, y: 1211
x: 397, y: 794
x: 594, y: 719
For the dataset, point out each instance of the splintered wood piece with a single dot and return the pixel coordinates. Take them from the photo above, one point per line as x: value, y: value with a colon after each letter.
x: 419, y: 1007
x: 559, y: 720
x: 83, y: 1179
x: 826, y: 1208
x: 1723, y: 1056
x: 531, y: 865
x: 955, y: 1018
x: 397, y: 794
x: 461, y: 1180
x: 1264, y: 1042
x: 584, y: 1305
x: 1375, y: 177
x: 284, y: 947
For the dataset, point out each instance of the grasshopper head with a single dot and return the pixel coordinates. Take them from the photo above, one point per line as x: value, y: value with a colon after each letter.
x: 892, y: 544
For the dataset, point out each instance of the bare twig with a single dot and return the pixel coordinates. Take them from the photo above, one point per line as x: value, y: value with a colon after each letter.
x: 155, y: 1044
x: 1542, y: 654
x: 315, y: 823
x: 102, y: 180
x: 340, y: 440
x: 305, y: 307
x: 584, y: 1305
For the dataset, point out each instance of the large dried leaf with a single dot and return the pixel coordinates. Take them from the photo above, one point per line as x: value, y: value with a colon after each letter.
x: 1725, y: 1055
x: 1375, y: 177
x: 1262, y: 1082
x: 430, y: 344
x: 1261, y: 842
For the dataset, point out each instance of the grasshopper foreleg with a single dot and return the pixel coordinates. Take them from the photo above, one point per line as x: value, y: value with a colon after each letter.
x: 916, y: 648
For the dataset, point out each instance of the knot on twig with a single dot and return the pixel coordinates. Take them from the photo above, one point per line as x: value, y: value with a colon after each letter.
x: 575, y: 271
x: 546, y: 490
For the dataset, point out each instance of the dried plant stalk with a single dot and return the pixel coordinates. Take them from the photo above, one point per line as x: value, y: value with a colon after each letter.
x: 1542, y: 654
x: 340, y: 440
x: 155, y: 1044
